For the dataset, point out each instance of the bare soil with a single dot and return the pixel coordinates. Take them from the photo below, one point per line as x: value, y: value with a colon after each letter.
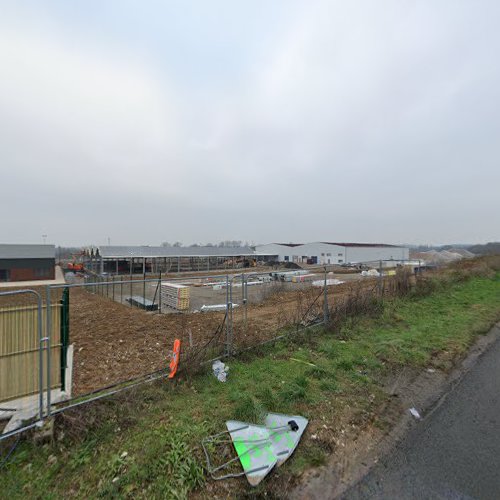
x: 115, y: 342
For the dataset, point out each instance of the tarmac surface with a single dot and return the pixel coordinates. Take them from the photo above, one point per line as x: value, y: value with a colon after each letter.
x: 454, y: 452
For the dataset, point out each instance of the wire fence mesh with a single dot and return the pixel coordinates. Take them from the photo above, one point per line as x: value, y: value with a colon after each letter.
x: 122, y: 331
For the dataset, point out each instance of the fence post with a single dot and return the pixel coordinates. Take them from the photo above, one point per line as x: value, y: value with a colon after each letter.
x: 244, y: 301
x: 227, y: 350
x: 47, y: 342
x: 64, y: 335
x: 231, y: 316
x: 380, y: 282
x: 113, y: 288
x: 40, y: 355
x: 159, y: 298
x: 325, y: 300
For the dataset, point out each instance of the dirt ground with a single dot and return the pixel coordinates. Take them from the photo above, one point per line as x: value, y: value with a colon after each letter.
x: 114, y: 342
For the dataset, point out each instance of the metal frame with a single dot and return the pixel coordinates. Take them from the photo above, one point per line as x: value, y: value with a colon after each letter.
x: 215, y: 439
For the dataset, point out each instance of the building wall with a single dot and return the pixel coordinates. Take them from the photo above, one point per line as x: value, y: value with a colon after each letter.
x: 325, y: 253
x: 364, y: 254
x: 281, y: 251
x: 27, y: 269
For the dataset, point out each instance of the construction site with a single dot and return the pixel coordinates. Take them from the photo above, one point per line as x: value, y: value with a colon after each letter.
x: 107, y: 330
x: 121, y: 309
x: 66, y: 345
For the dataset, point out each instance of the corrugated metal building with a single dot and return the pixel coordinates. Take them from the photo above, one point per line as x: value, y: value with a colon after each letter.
x: 333, y: 253
x: 151, y: 259
x: 27, y: 262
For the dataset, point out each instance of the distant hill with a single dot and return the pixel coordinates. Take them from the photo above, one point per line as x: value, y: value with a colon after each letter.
x: 487, y: 249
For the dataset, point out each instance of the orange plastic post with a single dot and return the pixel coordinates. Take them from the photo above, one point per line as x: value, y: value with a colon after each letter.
x: 174, y: 362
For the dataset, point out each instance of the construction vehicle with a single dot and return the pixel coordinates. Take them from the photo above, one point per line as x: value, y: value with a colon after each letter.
x: 75, y: 267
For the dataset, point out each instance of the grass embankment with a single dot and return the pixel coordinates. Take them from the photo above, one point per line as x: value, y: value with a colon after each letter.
x: 145, y: 443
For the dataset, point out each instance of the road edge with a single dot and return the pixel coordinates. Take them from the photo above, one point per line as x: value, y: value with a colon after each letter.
x: 426, y: 391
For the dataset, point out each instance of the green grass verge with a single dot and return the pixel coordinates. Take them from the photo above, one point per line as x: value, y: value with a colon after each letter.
x: 146, y: 443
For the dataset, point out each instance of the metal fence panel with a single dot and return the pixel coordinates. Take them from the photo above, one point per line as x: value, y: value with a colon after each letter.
x: 19, y: 350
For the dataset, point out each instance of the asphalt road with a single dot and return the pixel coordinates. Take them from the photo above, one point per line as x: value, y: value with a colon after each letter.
x: 454, y: 453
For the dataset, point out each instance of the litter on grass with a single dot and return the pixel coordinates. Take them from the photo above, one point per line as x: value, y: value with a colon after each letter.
x: 415, y: 413
x: 220, y: 370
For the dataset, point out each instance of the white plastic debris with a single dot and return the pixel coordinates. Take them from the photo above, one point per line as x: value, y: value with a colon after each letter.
x: 371, y: 273
x: 217, y: 307
x: 415, y: 413
x: 220, y: 370
x: 329, y: 282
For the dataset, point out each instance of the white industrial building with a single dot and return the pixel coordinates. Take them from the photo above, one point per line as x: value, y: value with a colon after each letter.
x: 333, y: 253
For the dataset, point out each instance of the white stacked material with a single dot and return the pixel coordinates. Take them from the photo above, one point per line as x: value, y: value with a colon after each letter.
x: 175, y: 296
x: 287, y: 275
x: 329, y: 282
x: 301, y: 278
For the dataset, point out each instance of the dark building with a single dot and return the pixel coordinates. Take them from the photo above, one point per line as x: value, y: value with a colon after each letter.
x: 27, y: 262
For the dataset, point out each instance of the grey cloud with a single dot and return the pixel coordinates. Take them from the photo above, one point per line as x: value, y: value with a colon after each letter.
x: 354, y: 120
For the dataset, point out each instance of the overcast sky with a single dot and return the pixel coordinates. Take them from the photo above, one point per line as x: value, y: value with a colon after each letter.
x: 153, y: 121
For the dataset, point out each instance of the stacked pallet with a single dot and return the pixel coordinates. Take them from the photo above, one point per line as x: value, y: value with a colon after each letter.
x: 175, y: 296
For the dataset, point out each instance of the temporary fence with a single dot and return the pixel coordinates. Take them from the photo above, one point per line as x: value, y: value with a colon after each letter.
x: 33, y: 349
x: 123, y: 331
x: 19, y: 350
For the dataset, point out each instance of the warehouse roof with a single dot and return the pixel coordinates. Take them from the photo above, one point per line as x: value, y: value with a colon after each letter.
x: 125, y: 252
x: 12, y: 251
x: 383, y: 245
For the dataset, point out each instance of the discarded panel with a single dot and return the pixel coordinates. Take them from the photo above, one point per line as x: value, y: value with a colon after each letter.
x: 142, y: 303
x: 285, y: 440
x: 216, y: 307
x: 258, y: 447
